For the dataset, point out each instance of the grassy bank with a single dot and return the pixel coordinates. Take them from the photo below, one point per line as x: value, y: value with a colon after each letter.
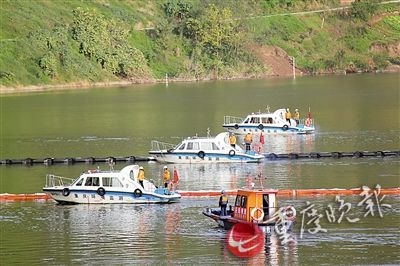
x: 45, y: 43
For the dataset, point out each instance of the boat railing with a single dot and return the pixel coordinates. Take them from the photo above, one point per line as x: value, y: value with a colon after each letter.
x: 159, y: 146
x: 54, y: 181
x: 302, y: 122
x: 232, y: 119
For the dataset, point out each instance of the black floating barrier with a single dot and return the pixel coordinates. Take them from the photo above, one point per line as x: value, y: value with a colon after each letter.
x: 131, y: 159
x: 336, y: 154
x: 48, y: 161
x: 315, y: 155
x: 69, y: 161
x: 27, y: 161
x: 111, y: 160
x: 90, y: 160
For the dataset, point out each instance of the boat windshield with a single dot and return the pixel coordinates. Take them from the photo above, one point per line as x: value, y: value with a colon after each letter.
x: 78, y: 182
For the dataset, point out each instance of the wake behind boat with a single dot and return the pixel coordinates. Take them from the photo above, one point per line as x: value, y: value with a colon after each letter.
x: 269, y: 123
x: 202, y: 150
x: 96, y: 186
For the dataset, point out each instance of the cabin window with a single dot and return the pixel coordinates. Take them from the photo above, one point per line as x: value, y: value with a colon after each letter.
x: 121, y: 198
x: 79, y: 183
x: 215, y: 147
x: 96, y: 181
x: 92, y: 181
x: 270, y: 120
x: 111, y: 182
x: 192, y: 146
x: 207, y: 146
x: 265, y: 203
x: 246, y: 121
x: 238, y: 201
x: 106, y: 181
x: 244, y: 201
x: 264, y: 120
x: 182, y: 147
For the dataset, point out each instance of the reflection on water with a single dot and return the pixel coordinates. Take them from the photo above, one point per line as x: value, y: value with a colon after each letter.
x: 122, y: 122
x: 44, y: 232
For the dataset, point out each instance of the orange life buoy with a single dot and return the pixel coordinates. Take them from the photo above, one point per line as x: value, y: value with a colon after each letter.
x: 253, y: 212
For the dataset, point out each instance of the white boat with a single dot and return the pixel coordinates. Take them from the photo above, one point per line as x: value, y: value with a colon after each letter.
x: 202, y: 150
x: 268, y: 123
x: 96, y: 186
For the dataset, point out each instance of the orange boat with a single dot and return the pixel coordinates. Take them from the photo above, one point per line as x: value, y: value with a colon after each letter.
x: 254, y: 206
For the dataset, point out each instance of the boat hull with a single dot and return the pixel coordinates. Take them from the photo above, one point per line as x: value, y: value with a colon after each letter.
x: 171, y: 157
x: 244, y: 129
x: 110, y: 197
x: 228, y: 221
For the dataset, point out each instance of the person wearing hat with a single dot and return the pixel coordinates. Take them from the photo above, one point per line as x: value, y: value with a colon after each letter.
x: 297, y: 116
x: 167, y: 176
x: 223, y: 202
x: 288, y: 115
x: 140, y: 176
x: 232, y: 140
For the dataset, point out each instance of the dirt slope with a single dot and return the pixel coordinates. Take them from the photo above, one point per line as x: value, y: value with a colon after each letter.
x: 275, y: 59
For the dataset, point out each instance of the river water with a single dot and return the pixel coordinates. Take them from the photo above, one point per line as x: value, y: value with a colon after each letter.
x: 352, y: 113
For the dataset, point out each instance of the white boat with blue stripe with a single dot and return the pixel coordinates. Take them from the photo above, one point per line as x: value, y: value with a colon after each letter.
x: 96, y: 186
x: 202, y: 150
x: 268, y: 123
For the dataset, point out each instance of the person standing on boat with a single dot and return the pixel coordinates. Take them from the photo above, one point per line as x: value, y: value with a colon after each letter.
x: 288, y: 116
x: 167, y: 176
x: 140, y: 176
x: 297, y: 116
x: 232, y: 140
x: 248, y: 139
x: 223, y: 202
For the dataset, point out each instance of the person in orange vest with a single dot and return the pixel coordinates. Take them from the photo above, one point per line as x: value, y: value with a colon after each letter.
x: 167, y: 176
x: 288, y: 115
x: 232, y: 140
x: 223, y: 202
x: 248, y: 139
x: 140, y: 176
x: 297, y: 116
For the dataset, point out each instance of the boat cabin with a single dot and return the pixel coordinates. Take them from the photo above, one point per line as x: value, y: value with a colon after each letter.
x: 256, y: 206
x: 266, y: 118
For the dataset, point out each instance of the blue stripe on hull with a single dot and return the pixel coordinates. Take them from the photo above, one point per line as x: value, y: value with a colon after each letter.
x: 213, y: 155
x: 111, y: 193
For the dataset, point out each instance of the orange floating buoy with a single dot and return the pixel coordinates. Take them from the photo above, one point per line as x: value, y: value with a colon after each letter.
x: 216, y: 193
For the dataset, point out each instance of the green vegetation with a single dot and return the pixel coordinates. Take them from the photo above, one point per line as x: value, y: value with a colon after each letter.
x: 53, y: 42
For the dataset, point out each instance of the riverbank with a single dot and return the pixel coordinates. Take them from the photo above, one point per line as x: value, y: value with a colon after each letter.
x: 119, y: 83
x: 84, y: 85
